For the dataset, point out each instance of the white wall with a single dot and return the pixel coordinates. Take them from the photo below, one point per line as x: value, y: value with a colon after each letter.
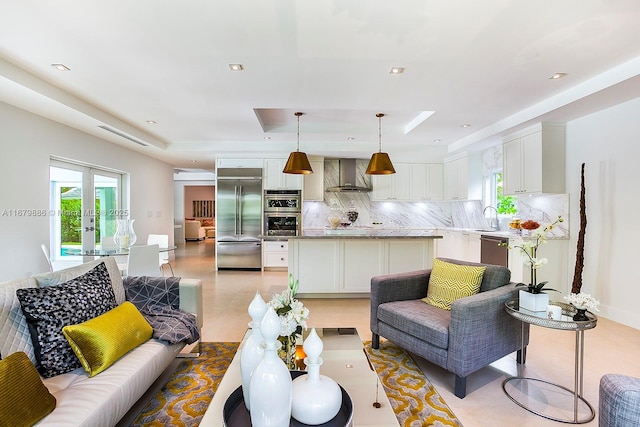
x: 608, y: 142
x: 27, y: 142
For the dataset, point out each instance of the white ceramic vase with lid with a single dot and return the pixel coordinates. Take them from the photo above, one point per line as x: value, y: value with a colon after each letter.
x: 316, y: 398
x: 253, y: 348
x: 270, y: 389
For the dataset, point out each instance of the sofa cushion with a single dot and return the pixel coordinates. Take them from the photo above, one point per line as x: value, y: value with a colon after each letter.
x: 449, y: 282
x: 14, y: 329
x: 49, y: 309
x: 24, y: 399
x: 61, y: 276
x: 101, y: 341
x: 423, y: 321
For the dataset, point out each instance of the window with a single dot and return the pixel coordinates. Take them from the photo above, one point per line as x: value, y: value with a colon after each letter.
x: 493, y: 195
x: 86, y: 202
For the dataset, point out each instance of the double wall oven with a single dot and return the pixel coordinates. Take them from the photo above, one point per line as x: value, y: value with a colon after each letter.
x: 282, y: 213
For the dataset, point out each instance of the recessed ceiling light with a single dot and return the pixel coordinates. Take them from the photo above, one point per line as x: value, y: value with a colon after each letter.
x: 351, y: 138
x: 236, y: 67
x: 437, y: 140
x: 557, y: 76
x: 465, y: 125
x: 151, y: 122
x: 61, y: 67
x: 396, y: 70
x: 194, y: 161
x: 266, y: 138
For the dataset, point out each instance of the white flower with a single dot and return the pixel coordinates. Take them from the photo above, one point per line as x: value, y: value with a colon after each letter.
x: 583, y: 300
x: 292, y: 313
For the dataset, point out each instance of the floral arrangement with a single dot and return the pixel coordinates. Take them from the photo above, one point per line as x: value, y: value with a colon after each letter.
x: 529, y: 250
x: 293, y: 318
x: 583, y: 301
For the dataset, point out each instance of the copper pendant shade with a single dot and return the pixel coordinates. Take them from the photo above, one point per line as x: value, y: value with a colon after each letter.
x: 380, y: 163
x: 298, y: 162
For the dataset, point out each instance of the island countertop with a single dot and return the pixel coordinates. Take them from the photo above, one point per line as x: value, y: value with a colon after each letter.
x: 368, y: 233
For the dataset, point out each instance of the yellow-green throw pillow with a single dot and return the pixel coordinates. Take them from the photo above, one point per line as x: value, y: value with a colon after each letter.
x: 101, y: 341
x: 449, y: 282
x: 24, y: 399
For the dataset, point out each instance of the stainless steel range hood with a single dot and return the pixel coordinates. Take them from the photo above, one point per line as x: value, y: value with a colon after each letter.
x: 347, y: 178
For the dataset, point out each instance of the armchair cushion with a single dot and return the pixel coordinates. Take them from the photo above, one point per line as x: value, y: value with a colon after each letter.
x: 449, y: 282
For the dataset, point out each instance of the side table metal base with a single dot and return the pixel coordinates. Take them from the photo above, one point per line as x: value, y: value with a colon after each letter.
x: 562, y: 390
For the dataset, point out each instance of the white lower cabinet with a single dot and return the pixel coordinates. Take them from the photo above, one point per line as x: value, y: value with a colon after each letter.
x: 275, y: 254
x: 346, y: 266
x: 460, y: 245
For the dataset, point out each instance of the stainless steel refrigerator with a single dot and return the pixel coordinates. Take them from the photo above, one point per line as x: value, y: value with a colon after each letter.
x: 239, y: 218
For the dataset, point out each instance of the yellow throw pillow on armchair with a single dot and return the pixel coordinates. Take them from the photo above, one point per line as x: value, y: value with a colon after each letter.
x: 24, y: 399
x: 449, y: 282
x: 101, y: 341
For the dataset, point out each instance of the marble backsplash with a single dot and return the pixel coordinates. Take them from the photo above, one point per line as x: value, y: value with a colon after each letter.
x: 428, y: 214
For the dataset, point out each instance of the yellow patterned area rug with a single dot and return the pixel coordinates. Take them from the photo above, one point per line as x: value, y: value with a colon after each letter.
x: 186, y: 396
x: 188, y: 392
x: 414, y: 400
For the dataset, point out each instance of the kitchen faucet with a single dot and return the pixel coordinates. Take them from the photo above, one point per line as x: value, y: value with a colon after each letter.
x: 494, y: 221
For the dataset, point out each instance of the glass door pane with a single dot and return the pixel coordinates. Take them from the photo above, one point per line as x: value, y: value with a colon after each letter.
x: 106, y: 191
x: 66, y: 186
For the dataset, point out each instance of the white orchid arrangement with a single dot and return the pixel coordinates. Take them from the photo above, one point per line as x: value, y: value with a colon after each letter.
x: 292, y: 313
x: 529, y: 248
x: 583, y: 301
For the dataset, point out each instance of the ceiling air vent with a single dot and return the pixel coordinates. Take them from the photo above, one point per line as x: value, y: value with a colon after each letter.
x: 123, y: 135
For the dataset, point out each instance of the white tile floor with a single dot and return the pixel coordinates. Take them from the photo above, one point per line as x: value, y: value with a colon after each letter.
x: 610, y: 347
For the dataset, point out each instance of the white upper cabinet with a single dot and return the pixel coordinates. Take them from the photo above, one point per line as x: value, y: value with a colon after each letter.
x: 313, y: 183
x: 274, y: 179
x: 411, y: 182
x: 239, y: 163
x: 463, y: 177
x: 426, y: 182
x: 533, y: 160
x: 394, y: 186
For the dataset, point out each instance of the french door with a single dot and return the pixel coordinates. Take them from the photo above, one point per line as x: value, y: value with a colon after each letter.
x: 85, y: 202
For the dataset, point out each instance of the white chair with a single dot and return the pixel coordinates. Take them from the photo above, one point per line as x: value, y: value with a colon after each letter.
x: 45, y: 249
x: 143, y: 260
x: 106, y: 244
x: 163, y: 241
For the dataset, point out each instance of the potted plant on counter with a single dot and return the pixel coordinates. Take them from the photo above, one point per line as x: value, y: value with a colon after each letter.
x: 535, y: 298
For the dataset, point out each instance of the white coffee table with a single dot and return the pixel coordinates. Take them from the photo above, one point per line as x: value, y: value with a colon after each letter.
x: 344, y: 361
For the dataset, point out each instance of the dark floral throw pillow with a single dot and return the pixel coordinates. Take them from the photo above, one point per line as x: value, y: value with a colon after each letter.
x: 51, y: 308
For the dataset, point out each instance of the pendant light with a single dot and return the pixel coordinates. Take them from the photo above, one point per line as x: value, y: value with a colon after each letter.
x: 298, y: 162
x: 380, y: 163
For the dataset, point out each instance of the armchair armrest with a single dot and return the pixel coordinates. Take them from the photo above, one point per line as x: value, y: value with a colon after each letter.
x: 481, y: 330
x: 191, y: 298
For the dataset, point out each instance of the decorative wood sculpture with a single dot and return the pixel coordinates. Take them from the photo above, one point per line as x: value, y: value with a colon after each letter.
x: 577, y: 274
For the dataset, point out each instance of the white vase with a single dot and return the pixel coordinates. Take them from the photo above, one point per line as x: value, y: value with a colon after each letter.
x: 316, y: 398
x: 253, y: 348
x: 533, y: 302
x: 270, y: 389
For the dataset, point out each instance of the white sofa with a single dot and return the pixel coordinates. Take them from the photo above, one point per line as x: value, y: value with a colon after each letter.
x: 101, y: 400
x: 193, y: 230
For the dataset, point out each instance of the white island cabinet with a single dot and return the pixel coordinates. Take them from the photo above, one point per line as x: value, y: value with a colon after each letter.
x: 342, y: 266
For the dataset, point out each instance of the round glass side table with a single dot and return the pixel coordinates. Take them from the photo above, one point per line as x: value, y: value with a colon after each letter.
x: 528, y: 386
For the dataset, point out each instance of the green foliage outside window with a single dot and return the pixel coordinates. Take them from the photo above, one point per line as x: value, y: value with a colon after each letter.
x: 506, y: 205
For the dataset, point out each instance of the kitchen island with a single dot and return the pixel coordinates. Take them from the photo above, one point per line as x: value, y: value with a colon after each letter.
x: 340, y: 263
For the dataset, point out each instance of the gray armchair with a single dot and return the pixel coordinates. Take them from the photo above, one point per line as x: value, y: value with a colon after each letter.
x: 619, y: 401
x: 476, y: 332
